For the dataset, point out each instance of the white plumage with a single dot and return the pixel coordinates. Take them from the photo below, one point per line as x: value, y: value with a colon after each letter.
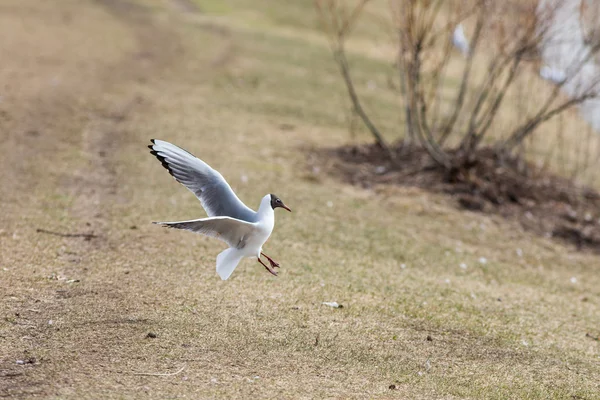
x: 229, y: 219
x: 460, y: 40
x: 554, y: 75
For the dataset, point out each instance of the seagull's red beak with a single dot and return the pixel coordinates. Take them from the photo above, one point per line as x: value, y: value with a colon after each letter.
x: 286, y: 207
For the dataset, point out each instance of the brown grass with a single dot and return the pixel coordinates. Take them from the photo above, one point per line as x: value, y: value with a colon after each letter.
x: 75, y: 161
x: 550, y: 205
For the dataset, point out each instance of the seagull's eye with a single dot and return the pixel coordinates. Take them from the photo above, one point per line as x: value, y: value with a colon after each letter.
x: 278, y: 200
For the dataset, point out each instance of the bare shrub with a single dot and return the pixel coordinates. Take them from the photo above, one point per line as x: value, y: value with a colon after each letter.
x: 467, y: 71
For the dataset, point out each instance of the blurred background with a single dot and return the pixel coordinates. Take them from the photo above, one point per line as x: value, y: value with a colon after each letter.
x: 441, y: 158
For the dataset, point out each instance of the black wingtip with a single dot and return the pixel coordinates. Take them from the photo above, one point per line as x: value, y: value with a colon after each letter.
x: 162, y: 160
x: 152, y: 140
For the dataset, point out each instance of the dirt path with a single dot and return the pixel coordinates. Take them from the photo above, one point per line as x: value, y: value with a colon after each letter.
x: 68, y: 119
x: 103, y: 304
x: 62, y: 113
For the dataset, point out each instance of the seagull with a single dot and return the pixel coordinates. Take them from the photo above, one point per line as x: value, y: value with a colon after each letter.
x: 460, y: 40
x: 229, y: 219
x: 553, y: 74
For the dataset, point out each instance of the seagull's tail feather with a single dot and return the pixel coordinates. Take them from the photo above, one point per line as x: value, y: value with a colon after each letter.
x: 227, y: 261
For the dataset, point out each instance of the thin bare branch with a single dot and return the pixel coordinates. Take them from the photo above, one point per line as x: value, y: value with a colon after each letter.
x: 523, y: 132
x: 475, y: 137
x: 342, y: 62
x: 464, y: 84
x: 160, y: 373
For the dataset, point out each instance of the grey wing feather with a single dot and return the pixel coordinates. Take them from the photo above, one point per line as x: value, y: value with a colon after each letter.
x: 232, y: 231
x: 213, y: 191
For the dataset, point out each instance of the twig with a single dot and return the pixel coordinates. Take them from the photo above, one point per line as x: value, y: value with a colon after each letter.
x: 160, y: 374
x: 87, y: 236
x: 466, y: 77
x: 10, y: 374
x: 519, y: 135
x: 340, y: 57
x: 473, y: 139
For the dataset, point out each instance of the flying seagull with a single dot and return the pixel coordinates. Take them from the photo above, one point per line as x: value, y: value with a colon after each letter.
x: 460, y: 40
x: 229, y: 219
x: 553, y: 74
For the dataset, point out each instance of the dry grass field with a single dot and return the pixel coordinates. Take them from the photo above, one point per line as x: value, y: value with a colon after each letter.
x: 438, y: 303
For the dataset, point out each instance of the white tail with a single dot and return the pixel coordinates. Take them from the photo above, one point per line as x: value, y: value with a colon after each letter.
x: 227, y: 260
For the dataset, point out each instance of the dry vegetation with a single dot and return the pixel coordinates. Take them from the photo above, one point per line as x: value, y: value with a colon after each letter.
x: 457, y: 92
x: 460, y: 132
x: 438, y: 303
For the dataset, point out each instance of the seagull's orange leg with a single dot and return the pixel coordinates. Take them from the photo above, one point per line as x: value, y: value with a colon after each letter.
x: 273, y: 263
x: 268, y: 268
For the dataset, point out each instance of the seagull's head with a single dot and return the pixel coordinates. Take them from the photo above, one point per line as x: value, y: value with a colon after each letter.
x: 276, y: 202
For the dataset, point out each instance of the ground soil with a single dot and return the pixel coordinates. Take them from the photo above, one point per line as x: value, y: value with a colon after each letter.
x: 549, y: 205
x: 96, y: 302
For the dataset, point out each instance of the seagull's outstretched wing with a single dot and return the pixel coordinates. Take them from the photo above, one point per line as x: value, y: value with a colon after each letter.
x: 215, y: 194
x: 232, y: 231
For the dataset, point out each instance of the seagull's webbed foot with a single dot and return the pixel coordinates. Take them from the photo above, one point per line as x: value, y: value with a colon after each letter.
x: 268, y: 268
x: 273, y: 263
